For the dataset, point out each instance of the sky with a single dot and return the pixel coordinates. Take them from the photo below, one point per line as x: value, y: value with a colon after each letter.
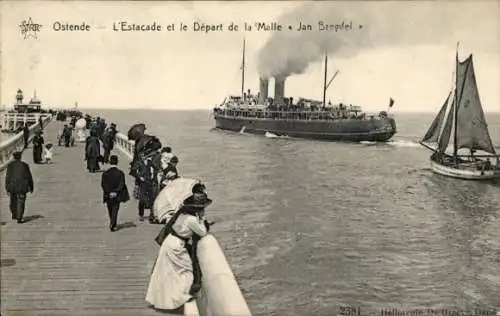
x: 404, y: 50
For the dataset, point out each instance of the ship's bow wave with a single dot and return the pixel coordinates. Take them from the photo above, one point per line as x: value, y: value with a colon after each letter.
x: 401, y: 143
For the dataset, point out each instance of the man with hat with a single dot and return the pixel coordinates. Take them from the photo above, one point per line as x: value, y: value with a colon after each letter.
x: 18, y: 182
x: 114, y: 190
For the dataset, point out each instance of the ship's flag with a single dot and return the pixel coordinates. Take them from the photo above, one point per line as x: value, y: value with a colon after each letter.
x: 391, y: 102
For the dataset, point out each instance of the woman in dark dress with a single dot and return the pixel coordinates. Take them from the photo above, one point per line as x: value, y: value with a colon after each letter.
x: 92, y: 152
x: 145, y: 187
x: 38, y: 142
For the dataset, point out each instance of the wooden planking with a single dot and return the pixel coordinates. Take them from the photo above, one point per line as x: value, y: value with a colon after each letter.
x: 67, y: 261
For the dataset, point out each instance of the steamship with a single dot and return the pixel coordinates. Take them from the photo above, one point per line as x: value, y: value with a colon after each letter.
x: 305, y: 118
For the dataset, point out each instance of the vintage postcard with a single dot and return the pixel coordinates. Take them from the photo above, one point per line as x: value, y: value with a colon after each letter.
x: 233, y: 158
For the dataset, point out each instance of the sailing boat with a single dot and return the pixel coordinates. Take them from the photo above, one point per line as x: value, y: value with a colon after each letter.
x: 462, y: 118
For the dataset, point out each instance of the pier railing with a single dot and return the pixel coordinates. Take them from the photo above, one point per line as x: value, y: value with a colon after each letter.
x: 125, y: 145
x: 303, y: 115
x: 16, y: 143
x: 220, y: 293
x: 10, y: 120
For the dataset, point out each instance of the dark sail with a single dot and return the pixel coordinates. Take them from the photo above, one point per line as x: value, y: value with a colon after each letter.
x: 472, y: 130
x: 432, y: 134
x: 444, y: 140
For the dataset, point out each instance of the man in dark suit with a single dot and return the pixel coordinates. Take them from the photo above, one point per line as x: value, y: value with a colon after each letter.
x: 114, y: 190
x: 18, y: 182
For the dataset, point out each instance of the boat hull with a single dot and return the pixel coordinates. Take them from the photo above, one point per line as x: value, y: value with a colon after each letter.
x: 464, y: 173
x: 349, y: 130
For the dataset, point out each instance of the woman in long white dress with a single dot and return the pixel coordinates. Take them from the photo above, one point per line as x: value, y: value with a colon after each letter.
x: 172, y: 276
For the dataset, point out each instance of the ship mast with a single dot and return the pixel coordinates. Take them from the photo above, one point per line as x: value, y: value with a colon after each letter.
x: 324, y: 80
x: 243, y: 71
x: 455, y: 114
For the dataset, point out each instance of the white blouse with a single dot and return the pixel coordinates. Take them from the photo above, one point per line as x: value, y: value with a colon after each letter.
x: 47, y: 153
x: 186, y: 224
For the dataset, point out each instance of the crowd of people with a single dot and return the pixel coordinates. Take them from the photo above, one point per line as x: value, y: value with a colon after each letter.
x: 100, y: 133
x: 176, y: 275
x: 152, y: 167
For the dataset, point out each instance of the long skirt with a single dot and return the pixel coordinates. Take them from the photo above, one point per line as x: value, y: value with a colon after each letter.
x: 37, y: 154
x: 172, y: 276
x: 92, y: 164
x: 146, y: 193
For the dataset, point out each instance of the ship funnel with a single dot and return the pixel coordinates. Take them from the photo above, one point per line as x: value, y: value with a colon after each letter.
x: 279, y: 90
x: 263, y: 90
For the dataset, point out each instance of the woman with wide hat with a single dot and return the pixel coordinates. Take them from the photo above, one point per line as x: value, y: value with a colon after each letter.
x: 174, y: 280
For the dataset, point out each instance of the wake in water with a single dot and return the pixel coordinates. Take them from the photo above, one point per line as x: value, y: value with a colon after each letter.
x: 395, y: 143
x: 242, y: 132
x: 271, y: 135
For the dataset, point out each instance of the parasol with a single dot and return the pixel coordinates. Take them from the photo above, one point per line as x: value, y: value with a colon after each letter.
x: 154, y: 143
x: 80, y: 124
x: 141, y: 142
x: 147, y: 143
x: 171, y: 198
x: 136, y: 131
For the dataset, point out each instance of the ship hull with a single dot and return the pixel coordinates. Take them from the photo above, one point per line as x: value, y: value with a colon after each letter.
x: 347, y: 130
x: 464, y: 173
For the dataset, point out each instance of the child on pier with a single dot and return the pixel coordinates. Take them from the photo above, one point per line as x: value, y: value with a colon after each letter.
x: 48, y: 153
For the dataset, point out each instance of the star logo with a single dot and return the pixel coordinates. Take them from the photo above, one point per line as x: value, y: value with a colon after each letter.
x: 29, y: 29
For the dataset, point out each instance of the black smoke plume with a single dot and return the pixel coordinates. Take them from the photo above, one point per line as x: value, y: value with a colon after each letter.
x: 374, y: 24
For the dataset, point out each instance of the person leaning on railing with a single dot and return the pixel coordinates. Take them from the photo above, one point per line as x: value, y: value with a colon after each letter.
x: 176, y: 274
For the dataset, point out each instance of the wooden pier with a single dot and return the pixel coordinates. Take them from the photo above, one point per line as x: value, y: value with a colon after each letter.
x: 65, y: 260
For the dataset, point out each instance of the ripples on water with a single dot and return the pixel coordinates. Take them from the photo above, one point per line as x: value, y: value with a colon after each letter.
x: 309, y: 225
